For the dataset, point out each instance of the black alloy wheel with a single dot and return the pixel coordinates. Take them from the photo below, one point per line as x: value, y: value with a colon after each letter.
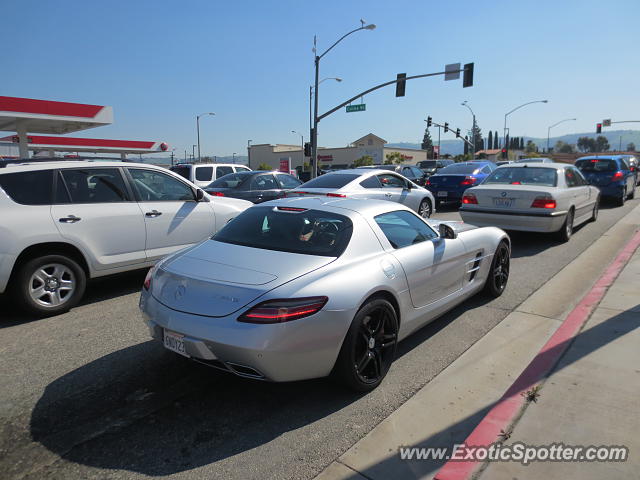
x: 499, y: 274
x: 369, y: 347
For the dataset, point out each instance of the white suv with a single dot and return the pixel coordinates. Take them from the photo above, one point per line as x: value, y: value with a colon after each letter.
x: 202, y: 174
x: 62, y: 222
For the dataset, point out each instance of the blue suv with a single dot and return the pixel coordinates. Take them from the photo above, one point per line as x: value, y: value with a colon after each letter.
x: 612, y: 174
x: 449, y: 184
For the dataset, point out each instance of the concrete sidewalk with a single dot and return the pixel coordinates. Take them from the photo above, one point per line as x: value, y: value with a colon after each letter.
x: 592, y: 397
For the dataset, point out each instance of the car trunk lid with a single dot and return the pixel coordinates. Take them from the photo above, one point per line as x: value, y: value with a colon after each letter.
x: 508, y: 196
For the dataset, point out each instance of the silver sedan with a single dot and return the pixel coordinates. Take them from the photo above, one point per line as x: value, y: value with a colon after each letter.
x: 302, y: 288
x: 374, y: 184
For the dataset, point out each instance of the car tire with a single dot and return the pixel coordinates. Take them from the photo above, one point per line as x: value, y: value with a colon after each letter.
x: 596, y: 208
x: 369, y: 348
x: 58, y: 279
x: 565, y: 232
x: 622, y: 198
x: 632, y: 195
x: 425, y: 210
x: 498, y: 275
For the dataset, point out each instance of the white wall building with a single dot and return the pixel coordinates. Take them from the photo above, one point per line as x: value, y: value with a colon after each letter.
x: 370, y: 144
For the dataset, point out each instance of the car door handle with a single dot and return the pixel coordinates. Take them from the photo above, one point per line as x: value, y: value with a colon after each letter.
x: 387, y: 195
x: 69, y: 219
x: 153, y: 213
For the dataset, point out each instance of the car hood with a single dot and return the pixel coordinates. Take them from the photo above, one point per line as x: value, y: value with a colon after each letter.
x: 216, y: 279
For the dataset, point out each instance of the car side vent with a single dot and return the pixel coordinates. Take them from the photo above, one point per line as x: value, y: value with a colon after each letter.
x: 475, y: 267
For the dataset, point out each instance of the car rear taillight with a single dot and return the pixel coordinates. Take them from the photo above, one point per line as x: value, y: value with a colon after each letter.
x: 338, y: 195
x: 469, y: 199
x: 427, y: 182
x: 617, y: 176
x: 468, y: 181
x: 147, y: 280
x: 283, y: 310
x: 543, y: 202
x: 216, y: 194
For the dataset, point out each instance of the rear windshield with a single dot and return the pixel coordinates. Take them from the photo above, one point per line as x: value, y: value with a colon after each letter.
x: 427, y: 164
x: 523, y: 176
x: 331, y: 180
x: 309, y: 232
x: 597, y: 165
x: 28, y: 188
x: 182, y: 171
x: 231, y: 180
x: 460, y: 168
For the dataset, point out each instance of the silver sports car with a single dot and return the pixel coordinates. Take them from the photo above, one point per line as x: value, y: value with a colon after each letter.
x: 374, y: 184
x: 302, y: 288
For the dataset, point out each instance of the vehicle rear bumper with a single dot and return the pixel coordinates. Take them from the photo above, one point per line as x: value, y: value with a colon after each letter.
x: 547, y: 222
x: 613, y: 190
x: 297, y: 350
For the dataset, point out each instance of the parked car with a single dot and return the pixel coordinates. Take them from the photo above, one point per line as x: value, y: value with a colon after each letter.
x: 301, y: 288
x: 414, y: 174
x: 64, y: 222
x: 256, y: 186
x: 375, y: 184
x: 503, y: 162
x: 534, y: 160
x: 450, y: 183
x: 632, y: 160
x: 545, y: 197
x: 429, y: 167
x: 611, y: 174
x: 202, y: 174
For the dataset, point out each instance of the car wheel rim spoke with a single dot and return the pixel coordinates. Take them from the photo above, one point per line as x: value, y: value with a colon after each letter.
x: 372, y: 348
x: 52, y: 285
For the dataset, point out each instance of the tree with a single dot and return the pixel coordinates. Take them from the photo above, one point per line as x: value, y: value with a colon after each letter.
x: 490, y: 142
x: 393, y: 157
x: 531, y: 147
x: 506, y: 142
x: 363, y: 161
x: 631, y: 147
x: 496, y: 141
x: 264, y: 166
x: 562, y: 147
x: 476, y: 138
x: 602, y: 144
x: 521, y: 146
x: 427, y: 143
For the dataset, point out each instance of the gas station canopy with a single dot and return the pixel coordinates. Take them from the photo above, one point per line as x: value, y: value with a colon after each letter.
x: 97, y: 145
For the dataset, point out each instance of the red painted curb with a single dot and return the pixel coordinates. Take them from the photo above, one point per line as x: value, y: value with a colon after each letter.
x: 505, y: 410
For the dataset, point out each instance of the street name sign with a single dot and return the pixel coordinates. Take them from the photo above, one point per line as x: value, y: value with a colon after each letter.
x: 357, y: 108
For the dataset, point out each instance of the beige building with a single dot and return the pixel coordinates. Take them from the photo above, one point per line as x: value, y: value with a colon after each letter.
x: 344, y: 157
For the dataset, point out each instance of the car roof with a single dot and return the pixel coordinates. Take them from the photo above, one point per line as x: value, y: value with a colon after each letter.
x: 44, y: 165
x: 346, y: 206
x: 556, y: 165
x: 604, y: 157
x: 208, y: 165
x: 359, y: 171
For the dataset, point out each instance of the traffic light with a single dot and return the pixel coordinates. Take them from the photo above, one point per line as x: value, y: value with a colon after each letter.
x: 457, y: 133
x: 504, y: 153
x: 467, y: 76
x: 429, y: 122
x: 598, y: 128
x: 446, y: 127
x: 307, y: 149
x: 400, y: 85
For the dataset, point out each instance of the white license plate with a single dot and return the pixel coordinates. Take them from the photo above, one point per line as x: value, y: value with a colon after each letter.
x: 174, y: 342
x: 442, y: 194
x: 503, y: 202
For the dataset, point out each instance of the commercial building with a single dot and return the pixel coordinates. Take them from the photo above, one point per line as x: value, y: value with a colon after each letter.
x: 328, y: 158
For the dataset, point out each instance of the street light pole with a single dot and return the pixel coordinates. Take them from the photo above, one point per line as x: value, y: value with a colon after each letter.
x: 249, y: 153
x: 314, y: 128
x: 473, y: 130
x: 555, y: 124
x: 198, y: 129
x: 504, y: 136
x: 193, y: 152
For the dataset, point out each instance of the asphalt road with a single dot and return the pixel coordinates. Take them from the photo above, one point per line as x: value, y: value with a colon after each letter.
x: 87, y: 395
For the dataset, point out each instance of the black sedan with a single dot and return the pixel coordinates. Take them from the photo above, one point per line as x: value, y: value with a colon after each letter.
x: 256, y: 186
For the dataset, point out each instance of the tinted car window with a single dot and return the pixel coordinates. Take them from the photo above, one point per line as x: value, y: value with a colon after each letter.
x: 223, y: 171
x: 231, y: 180
x: 94, y: 185
x: 571, y: 178
x: 182, y: 170
x: 331, y: 180
x: 523, y: 176
x: 460, y: 168
x: 427, y: 164
x: 242, y: 169
x: 371, y: 182
x: 264, y: 182
x: 153, y: 186
x: 416, y: 172
x: 204, y: 174
x: 391, y: 181
x: 288, y: 181
x: 309, y: 232
x: 28, y: 188
x: 597, y: 165
x: 403, y: 228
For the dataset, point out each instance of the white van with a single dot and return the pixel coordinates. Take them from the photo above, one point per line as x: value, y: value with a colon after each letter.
x: 202, y: 174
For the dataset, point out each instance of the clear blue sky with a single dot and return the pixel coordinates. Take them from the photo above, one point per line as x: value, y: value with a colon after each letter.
x: 159, y: 63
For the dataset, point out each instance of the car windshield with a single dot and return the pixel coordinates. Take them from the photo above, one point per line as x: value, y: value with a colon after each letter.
x: 597, y: 165
x: 523, y: 176
x: 331, y: 180
x: 289, y: 229
x: 231, y: 180
x: 427, y: 164
x: 461, y: 168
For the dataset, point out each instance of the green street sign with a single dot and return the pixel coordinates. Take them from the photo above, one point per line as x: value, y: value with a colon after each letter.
x: 357, y: 108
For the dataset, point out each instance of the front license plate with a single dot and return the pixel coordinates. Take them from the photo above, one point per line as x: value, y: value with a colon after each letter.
x: 503, y: 202
x: 174, y: 342
x: 442, y: 194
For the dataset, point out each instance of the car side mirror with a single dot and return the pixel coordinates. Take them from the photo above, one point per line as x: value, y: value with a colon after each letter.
x: 200, y: 196
x: 408, y: 186
x: 446, y: 231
